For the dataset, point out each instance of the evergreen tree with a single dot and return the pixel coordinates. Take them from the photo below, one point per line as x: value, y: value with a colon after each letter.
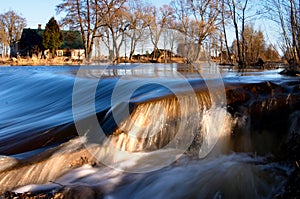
x: 52, y: 37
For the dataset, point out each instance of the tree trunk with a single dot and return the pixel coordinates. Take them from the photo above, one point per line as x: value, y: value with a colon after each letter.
x: 243, y: 53
x: 131, y: 55
x: 240, y: 62
x: 294, y: 34
x: 225, y: 34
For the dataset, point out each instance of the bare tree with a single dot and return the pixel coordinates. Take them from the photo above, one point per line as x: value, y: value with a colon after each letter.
x: 3, y: 35
x: 138, y: 18
x: 107, y: 41
x: 157, y: 23
x: 276, y: 11
x: 196, y: 19
x: 225, y: 14
x: 238, y: 10
x: 173, y: 37
x: 85, y: 16
x: 115, y: 19
x: 286, y: 14
x: 3, y: 40
x: 295, y: 30
x: 11, y: 25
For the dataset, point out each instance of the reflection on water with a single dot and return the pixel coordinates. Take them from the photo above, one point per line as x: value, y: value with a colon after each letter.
x: 139, y: 71
x: 146, y: 70
x: 208, y: 70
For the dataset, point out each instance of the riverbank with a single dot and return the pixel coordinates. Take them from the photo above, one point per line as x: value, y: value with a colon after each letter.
x: 33, y: 61
x: 39, y: 62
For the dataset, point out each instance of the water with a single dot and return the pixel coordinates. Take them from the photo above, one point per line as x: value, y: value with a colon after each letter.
x: 163, y: 131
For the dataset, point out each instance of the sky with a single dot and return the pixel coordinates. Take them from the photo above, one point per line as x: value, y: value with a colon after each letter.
x: 34, y: 11
x: 40, y: 11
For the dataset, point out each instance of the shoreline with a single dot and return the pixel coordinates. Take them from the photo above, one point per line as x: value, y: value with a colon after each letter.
x: 38, y: 62
x: 61, y: 61
x: 65, y: 61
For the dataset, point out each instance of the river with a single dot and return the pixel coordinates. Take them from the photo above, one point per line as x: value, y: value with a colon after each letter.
x: 147, y: 131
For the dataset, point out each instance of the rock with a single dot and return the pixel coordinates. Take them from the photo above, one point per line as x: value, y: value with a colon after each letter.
x: 290, y: 72
x: 78, y: 192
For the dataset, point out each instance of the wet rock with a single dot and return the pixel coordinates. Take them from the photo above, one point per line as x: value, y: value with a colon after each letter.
x: 290, y: 72
x: 79, y: 192
x: 291, y: 189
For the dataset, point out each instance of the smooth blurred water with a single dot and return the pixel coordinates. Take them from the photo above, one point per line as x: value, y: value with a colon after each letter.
x: 36, y: 99
x: 37, y: 114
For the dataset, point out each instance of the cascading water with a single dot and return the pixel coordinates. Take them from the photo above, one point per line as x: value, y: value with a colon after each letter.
x: 155, y: 124
x: 159, y: 119
x: 171, y: 145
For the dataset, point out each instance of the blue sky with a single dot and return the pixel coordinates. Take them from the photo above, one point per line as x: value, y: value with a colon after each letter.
x: 34, y: 11
x: 40, y: 11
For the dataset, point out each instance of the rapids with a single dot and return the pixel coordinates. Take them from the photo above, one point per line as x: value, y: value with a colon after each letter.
x: 147, y: 131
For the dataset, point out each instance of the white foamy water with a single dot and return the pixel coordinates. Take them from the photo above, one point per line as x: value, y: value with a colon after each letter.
x: 228, y: 176
x: 218, y: 174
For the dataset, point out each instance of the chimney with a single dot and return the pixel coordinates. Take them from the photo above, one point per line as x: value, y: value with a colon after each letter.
x: 39, y: 26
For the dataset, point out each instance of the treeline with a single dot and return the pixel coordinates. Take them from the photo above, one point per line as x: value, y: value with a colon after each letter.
x: 188, y: 26
x: 187, y: 22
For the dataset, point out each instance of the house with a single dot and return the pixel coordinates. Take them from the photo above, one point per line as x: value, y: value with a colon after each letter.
x: 31, y: 43
x: 162, y: 52
x: 161, y: 55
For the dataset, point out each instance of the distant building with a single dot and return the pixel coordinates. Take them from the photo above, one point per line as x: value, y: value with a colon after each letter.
x: 161, y: 55
x: 31, y: 43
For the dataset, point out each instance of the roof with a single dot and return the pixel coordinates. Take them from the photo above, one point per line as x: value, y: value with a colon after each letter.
x: 32, y: 38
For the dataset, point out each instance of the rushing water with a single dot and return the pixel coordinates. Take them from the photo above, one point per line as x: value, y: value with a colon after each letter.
x: 143, y: 131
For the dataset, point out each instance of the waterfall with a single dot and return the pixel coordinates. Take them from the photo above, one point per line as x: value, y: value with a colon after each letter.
x: 171, y: 126
x: 182, y: 146
x: 153, y: 125
x: 156, y: 134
